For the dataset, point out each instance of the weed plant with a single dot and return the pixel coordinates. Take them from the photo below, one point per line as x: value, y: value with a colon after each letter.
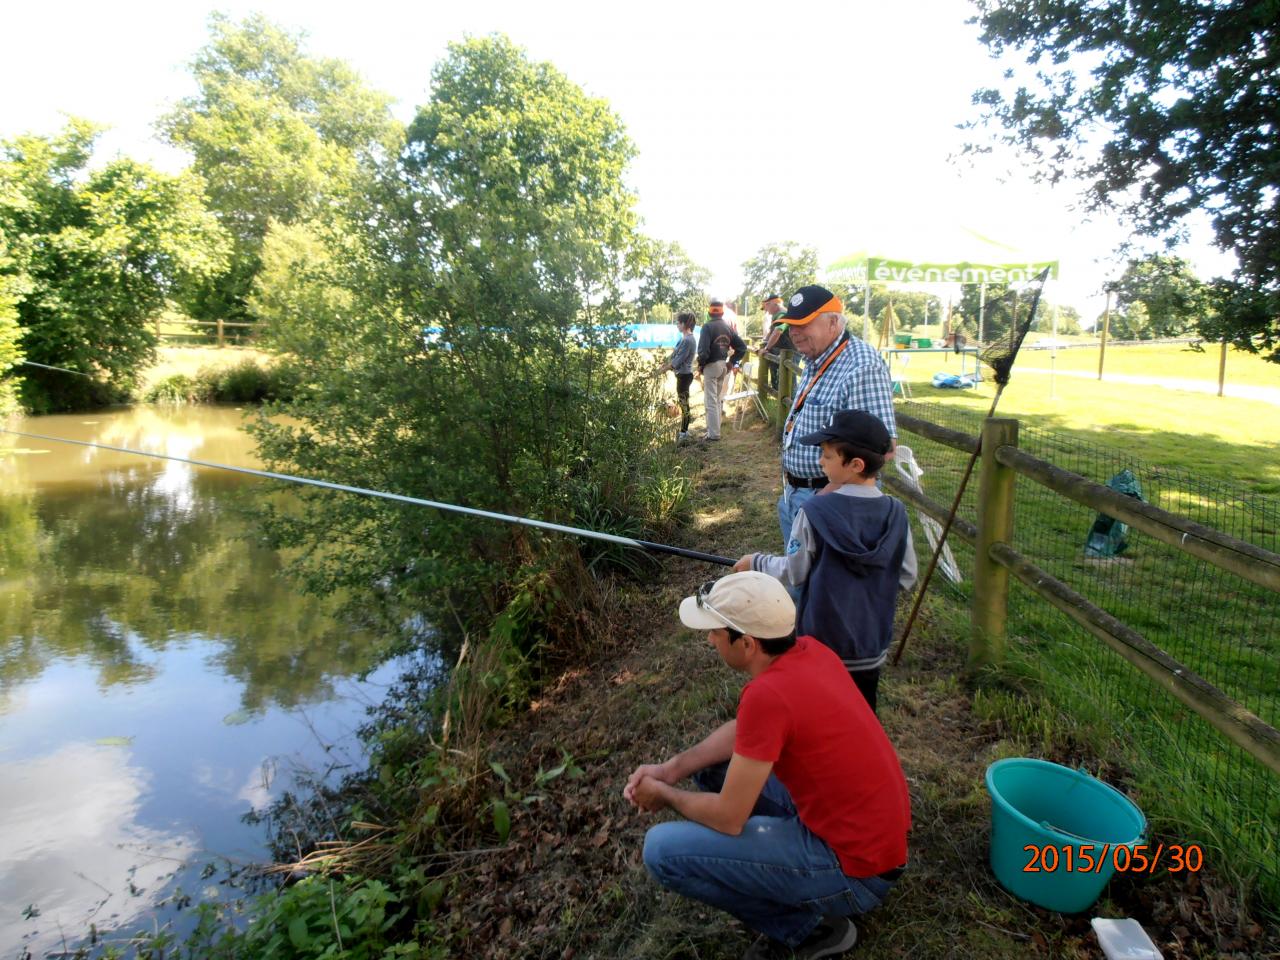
x: 244, y: 382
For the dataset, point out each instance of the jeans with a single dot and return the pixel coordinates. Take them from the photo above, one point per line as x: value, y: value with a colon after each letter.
x: 789, y: 505
x: 713, y: 377
x: 682, y: 392
x: 777, y: 877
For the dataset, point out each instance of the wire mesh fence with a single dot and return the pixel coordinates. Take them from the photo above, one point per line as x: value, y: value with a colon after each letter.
x: 1193, y: 782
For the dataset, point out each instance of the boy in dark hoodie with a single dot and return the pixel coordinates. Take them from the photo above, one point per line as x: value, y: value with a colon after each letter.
x: 850, y: 550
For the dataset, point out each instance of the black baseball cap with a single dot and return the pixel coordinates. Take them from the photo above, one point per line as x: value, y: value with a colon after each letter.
x: 772, y: 296
x: 855, y: 427
x: 807, y: 302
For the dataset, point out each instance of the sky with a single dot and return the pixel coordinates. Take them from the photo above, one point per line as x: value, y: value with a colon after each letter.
x: 833, y: 125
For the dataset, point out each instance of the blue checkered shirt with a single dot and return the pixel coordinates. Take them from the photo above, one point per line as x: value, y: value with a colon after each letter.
x: 857, y: 380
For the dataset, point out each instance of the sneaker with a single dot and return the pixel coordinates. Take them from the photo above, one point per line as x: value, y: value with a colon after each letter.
x: 682, y: 436
x: 832, y: 937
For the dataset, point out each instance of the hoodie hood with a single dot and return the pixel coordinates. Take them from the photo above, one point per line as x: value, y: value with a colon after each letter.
x: 865, y: 531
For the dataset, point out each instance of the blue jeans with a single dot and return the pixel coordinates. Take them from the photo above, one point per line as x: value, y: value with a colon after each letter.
x: 777, y: 877
x: 789, y: 505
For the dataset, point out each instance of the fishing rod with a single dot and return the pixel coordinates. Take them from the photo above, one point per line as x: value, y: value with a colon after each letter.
x: 45, y: 366
x: 999, y: 356
x: 648, y: 545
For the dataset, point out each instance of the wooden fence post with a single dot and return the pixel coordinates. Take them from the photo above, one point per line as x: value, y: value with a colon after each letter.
x: 786, y: 386
x: 1222, y: 368
x: 762, y: 379
x: 220, y: 342
x: 995, y: 525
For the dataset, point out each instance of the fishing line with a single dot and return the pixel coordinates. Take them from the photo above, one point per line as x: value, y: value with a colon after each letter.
x: 400, y: 498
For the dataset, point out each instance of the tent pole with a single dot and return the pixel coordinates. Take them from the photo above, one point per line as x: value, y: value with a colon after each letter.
x: 982, y: 310
x: 866, y: 309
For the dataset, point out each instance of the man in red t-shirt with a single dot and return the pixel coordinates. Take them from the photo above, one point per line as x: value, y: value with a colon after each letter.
x: 802, y: 816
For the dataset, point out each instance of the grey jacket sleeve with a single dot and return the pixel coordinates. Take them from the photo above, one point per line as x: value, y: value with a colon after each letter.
x: 793, y: 567
x: 682, y: 355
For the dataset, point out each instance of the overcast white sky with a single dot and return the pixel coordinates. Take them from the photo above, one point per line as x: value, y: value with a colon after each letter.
x: 831, y: 124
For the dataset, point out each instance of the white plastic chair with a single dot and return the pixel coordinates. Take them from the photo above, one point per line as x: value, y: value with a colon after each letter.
x: 899, y: 384
x: 748, y: 379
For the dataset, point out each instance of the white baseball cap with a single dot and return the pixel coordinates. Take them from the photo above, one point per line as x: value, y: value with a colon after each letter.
x: 751, y: 603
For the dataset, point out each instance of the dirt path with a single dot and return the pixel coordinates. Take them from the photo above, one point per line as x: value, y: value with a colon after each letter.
x: 569, y: 883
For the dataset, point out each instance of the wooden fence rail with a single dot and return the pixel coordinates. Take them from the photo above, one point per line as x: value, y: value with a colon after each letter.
x: 1229, y: 717
x: 221, y: 325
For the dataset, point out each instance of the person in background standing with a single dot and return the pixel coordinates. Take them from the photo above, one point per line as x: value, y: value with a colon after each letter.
x: 681, y: 364
x: 776, y: 338
x: 720, y: 351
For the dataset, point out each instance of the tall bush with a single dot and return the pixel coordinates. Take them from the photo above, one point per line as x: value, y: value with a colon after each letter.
x: 469, y: 359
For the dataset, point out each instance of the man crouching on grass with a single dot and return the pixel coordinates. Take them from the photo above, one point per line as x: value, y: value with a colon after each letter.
x: 802, y: 814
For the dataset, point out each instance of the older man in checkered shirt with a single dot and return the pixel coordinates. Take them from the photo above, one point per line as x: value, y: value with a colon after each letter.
x: 842, y: 373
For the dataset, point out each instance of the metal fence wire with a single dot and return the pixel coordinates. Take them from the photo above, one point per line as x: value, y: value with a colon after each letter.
x: 1192, y: 782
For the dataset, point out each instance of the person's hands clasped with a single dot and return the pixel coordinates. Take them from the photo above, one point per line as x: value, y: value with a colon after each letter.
x: 648, y: 795
x: 641, y: 795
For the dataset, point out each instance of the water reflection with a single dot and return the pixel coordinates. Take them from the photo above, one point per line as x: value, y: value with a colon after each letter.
x: 158, y: 677
x: 73, y: 848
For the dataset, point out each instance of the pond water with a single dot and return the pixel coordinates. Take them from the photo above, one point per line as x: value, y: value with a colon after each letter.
x: 159, y: 678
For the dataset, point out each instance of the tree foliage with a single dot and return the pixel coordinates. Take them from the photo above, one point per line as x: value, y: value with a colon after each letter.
x: 278, y: 136
x: 780, y: 268
x: 1173, y: 298
x: 670, y: 278
x: 457, y: 329
x: 1184, y: 95
x: 14, y: 285
x: 91, y: 258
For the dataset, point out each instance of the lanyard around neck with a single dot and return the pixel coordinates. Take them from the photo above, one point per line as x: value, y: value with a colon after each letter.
x: 795, y: 410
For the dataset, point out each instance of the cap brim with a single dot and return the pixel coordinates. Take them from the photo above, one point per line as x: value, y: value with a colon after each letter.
x: 815, y: 438
x: 834, y: 305
x: 698, y: 618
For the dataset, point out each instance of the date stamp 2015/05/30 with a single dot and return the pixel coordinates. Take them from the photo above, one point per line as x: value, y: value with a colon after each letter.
x: 1095, y: 857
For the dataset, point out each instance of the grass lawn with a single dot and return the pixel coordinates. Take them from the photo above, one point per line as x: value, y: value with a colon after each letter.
x: 1228, y: 437
x: 1163, y: 360
x: 172, y: 360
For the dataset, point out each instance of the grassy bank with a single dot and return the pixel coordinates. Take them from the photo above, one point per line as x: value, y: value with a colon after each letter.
x: 501, y: 832
x: 569, y: 882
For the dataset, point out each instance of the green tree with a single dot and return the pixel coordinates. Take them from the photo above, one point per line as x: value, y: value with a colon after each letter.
x: 669, y: 277
x: 1068, y: 320
x: 278, y: 136
x: 780, y: 268
x: 1130, y: 323
x: 472, y: 366
x: 14, y: 285
x: 1174, y: 299
x: 994, y: 307
x: 1184, y: 93
x: 93, y: 255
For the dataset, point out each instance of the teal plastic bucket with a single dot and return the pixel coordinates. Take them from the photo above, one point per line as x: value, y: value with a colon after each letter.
x: 1038, y: 807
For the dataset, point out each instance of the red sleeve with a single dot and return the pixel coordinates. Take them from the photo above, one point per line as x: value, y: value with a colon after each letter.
x: 763, y: 723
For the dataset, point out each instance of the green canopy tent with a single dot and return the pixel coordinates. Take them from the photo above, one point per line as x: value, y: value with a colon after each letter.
x: 959, y: 255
